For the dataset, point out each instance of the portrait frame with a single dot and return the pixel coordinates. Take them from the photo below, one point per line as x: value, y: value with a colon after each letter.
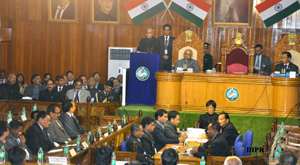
x: 115, y: 12
x: 243, y: 20
x: 72, y: 15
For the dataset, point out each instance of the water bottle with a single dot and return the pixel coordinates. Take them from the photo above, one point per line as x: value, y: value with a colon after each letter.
x: 88, y: 138
x: 66, y: 150
x: 281, y: 128
x: 78, y: 141
x: 109, y: 128
x: 99, y: 133
x: 113, y: 159
x: 276, y: 155
x: 9, y: 117
x: 202, y: 161
x: 34, y: 107
x: 40, y: 159
x: 123, y: 120
x: 24, y: 111
x: 2, y: 155
x: 115, y: 123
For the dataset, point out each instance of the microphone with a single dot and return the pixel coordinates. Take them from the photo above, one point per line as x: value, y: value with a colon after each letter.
x: 125, y: 112
x: 183, y: 129
x: 99, y: 113
x: 290, y: 112
x: 88, y: 117
x: 256, y: 148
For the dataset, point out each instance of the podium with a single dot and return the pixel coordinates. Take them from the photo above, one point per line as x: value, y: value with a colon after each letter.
x: 142, y: 82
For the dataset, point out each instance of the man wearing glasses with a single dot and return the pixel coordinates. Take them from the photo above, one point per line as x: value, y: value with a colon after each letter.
x: 78, y: 95
x: 56, y: 129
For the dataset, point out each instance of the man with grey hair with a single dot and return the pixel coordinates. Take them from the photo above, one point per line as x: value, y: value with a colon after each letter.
x: 232, y: 160
x: 92, y: 89
x: 149, y: 44
x: 11, y: 90
x: 187, y: 61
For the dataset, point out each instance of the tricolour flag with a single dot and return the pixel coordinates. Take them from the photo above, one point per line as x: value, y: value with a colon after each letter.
x: 272, y: 11
x: 194, y: 11
x: 141, y: 10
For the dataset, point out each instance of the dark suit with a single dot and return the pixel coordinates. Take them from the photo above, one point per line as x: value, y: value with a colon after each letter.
x: 63, y: 92
x: 165, y: 64
x: 71, y: 125
x: 206, y: 119
x: 100, y: 86
x: 171, y: 131
x: 291, y: 67
x: 35, y: 139
x: 50, y: 96
x: 110, y: 97
x: 230, y: 133
x: 140, y: 150
x: 12, y: 141
x: 10, y: 92
x: 148, y: 143
x: 69, y: 12
x: 207, y: 62
x: 93, y: 92
x: 57, y: 132
x: 160, y: 138
x: 29, y: 90
x: 149, y: 45
x: 219, y: 147
x: 265, y: 64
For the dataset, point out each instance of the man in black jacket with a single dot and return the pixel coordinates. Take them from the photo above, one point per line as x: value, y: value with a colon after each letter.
x: 166, y: 47
x: 10, y: 91
x: 61, y: 87
x: 161, y: 117
x: 149, y: 44
x: 207, y: 58
x: 147, y: 139
x: 218, y: 144
x: 49, y: 94
x: 286, y: 63
x: 37, y: 136
x: 210, y: 116
x: 136, y: 135
x: 262, y: 64
x: 228, y: 129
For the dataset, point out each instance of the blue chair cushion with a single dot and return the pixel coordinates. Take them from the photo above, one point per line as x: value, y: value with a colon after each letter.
x: 248, y: 140
x: 123, y: 146
x: 240, y: 152
x: 237, y: 146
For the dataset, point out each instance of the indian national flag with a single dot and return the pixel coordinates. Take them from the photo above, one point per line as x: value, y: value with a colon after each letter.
x: 141, y: 10
x: 194, y: 11
x: 272, y: 11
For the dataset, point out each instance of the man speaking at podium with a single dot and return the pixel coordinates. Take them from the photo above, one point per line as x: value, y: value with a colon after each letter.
x: 289, y: 66
x: 149, y: 44
x: 187, y: 61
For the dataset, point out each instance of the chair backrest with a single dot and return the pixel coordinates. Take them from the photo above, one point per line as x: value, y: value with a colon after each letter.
x: 127, y: 137
x: 248, y: 141
x: 123, y: 146
x: 237, y: 62
x: 237, y: 146
x: 240, y: 152
x: 181, y: 43
x: 238, y: 139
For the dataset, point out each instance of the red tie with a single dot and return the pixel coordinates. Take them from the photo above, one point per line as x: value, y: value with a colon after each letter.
x: 76, y: 100
x: 2, y: 81
x: 59, y: 12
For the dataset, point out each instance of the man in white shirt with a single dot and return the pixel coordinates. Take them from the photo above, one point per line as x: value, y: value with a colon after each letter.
x: 70, y: 77
x: 78, y: 95
x: 60, y: 87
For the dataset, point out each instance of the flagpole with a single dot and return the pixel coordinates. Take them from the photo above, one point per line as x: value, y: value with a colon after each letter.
x: 167, y: 10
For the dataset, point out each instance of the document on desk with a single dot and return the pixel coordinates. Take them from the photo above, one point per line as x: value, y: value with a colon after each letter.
x: 174, y: 147
x: 186, y: 153
x: 55, y: 150
x: 121, y: 162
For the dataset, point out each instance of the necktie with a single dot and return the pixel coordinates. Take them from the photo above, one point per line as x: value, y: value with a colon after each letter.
x: 45, y: 134
x: 59, y: 13
x: 76, y: 100
x: 257, y: 62
x: 59, y: 90
x: 285, y: 65
x: 166, y: 43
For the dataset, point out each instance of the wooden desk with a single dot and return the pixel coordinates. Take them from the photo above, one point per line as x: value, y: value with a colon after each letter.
x: 191, y: 160
x: 271, y: 96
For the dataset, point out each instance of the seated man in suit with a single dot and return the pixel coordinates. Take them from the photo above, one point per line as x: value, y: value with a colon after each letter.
x: 60, y: 87
x: 169, y: 157
x: 78, y: 95
x: 228, y: 129
x: 4, y: 132
x: 232, y: 160
x: 117, y: 87
x: 210, y: 116
x: 97, y: 78
x: 37, y: 136
x: 70, y: 78
x: 49, y: 94
x: 171, y: 124
x: 147, y: 139
x: 159, y: 135
x: 47, y: 76
x: 107, y: 95
x: 69, y: 120
x: 136, y: 135
x: 10, y: 90
x: 103, y: 155
x: 84, y: 82
x: 17, y: 155
x: 262, y: 64
x: 286, y: 63
x: 149, y: 44
x: 218, y: 144
x: 33, y: 115
x: 56, y: 129
x: 34, y: 89
x: 187, y: 61
x: 92, y: 89
x: 15, y: 137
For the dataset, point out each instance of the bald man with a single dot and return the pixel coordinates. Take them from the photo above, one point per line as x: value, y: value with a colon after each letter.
x: 232, y: 160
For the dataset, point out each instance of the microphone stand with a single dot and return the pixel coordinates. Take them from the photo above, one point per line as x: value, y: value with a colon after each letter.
x: 183, y: 129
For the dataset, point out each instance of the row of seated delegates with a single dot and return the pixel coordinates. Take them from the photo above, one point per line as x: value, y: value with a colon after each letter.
x: 286, y: 63
x: 159, y: 133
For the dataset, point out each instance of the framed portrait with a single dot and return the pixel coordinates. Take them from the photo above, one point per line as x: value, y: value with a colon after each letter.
x: 232, y: 12
x: 105, y: 11
x: 64, y: 11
